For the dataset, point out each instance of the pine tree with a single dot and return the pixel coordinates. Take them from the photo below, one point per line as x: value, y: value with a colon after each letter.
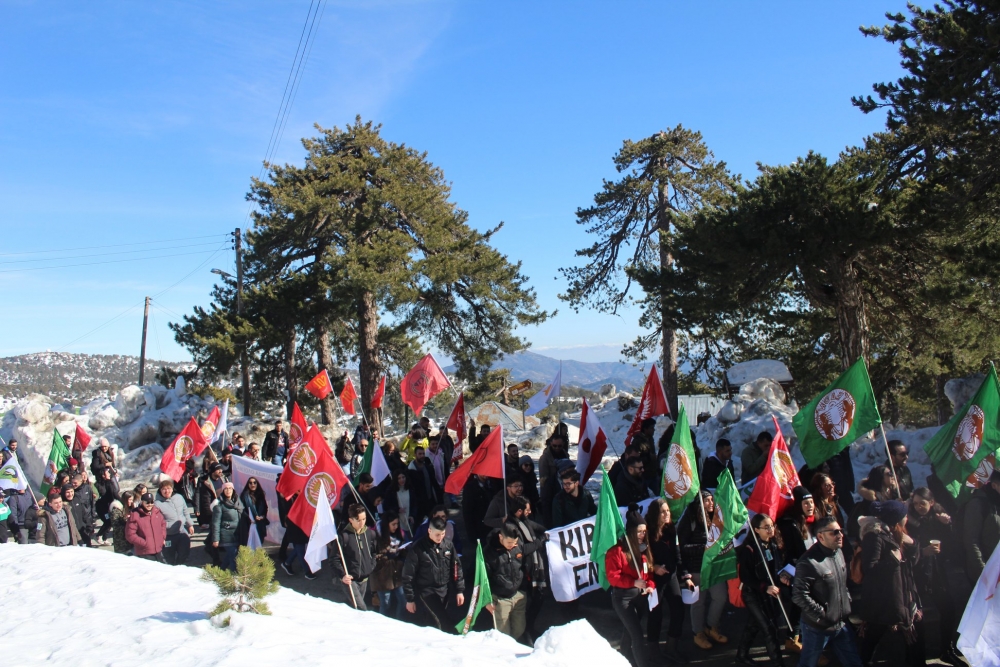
x: 245, y: 589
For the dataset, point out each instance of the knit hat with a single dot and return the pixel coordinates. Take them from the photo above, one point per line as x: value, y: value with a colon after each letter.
x: 214, y: 467
x: 889, y: 511
x: 73, y: 462
x: 525, y: 460
x: 229, y: 485
x: 800, y: 493
x: 564, y: 464
x: 634, y: 518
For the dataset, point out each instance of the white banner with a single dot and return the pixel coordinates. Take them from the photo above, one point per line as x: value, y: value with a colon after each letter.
x: 571, y: 574
x: 266, y: 474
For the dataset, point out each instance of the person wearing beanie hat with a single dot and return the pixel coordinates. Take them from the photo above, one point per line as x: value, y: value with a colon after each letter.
x: 889, y: 600
x: 629, y: 569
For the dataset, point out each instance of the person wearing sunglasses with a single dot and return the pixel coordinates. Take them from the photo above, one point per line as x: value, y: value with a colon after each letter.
x: 760, y: 564
x: 820, y: 592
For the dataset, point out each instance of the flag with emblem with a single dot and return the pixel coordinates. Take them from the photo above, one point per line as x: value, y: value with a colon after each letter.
x: 211, y: 423
x: 189, y: 442
x: 320, y: 386
x: 456, y: 422
x: 593, y: 443
x: 81, y: 439
x: 325, y: 482
x: 965, y: 448
x: 58, y: 460
x: 12, y: 477
x: 653, y: 404
x: 608, y: 529
x: 719, y: 561
x: 297, y: 427
x: 841, y: 414
x: 347, y: 397
x: 424, y: 381
x: 772, y: 494
x: 311, y: 454
x: 680, y: 482
x: 481, y: 593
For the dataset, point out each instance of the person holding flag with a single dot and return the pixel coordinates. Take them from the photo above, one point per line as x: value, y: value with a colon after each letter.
x: 760, y: 563
x: 358, y: 548
x: 629, y: 569
x: 504, y: 561
x: 695, y: 541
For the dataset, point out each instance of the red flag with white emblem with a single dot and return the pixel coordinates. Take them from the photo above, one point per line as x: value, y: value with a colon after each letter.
x: 326, y: 476
x: 424, y: 381
x: 189, y: 442
x: 593, y: 443
x: 772, y: 494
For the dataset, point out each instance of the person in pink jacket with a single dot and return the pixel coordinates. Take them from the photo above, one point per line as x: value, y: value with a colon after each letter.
x: 146, y: 529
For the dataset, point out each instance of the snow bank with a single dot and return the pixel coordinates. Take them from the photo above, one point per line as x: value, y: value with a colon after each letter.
x: 94, y: 607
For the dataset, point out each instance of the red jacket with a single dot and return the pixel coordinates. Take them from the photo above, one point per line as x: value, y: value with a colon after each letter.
x: 623, y: 575
x: 146, y: 532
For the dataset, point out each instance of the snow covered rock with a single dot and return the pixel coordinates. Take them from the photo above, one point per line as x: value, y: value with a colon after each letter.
x: 960, y: 390
x: 129, y: 403
x: 104, y: 419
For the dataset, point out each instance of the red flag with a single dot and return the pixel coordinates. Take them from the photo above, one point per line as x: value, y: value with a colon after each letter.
x: 456, y: 422
x: 487, y: 460
x: 653, y: 404
x: 211, y: 423
x: 593, y: 443
x: 348, y: 396
x: 326, y: 470
x: 379, y: 395
x: 320, y: 386
x: 772, y: 494
x: 81, y: 440
x: 425, y: 381
x: 189, y: 442
x: 299, y: 466
x: 297, y: 428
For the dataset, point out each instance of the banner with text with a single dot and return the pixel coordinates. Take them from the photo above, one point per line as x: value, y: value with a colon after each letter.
x: 266, y: 474
x: 571, y: 573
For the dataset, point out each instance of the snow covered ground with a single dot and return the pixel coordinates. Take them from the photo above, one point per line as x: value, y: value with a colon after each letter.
x: 94, y: 607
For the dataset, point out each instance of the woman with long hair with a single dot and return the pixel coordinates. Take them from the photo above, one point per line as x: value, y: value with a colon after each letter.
x: 387, y: 577
x: 824, y: 493
x: 402, y: 501
x: 889, y: 601
x: 669, y: 575
x: 254, y: 510
x: 760, y: 560
x: 795, y: 526
x: 706, y: 613
x: 629, y: 568
x: 879, y: 485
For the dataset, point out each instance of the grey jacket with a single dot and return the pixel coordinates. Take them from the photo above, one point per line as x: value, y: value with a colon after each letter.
x: 175, y: 513
x: 820, y: 588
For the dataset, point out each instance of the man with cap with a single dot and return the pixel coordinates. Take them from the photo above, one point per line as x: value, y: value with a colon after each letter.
x: 146, y: 529
x: 226, y: 461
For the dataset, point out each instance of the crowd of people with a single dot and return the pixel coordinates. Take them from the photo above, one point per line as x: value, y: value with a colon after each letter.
x: 832, y: 571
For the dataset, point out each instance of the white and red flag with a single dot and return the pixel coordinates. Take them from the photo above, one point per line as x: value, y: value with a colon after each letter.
x: 593, y: 443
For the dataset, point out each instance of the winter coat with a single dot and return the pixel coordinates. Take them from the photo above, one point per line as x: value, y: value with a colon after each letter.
x: 930, y: 573
x: 567, y: 509
x: 629, y: 490
x: 23, y: 509
x: 532, y: 543
x: 432, y: 569
x: 252, y: 508
x: 758, y: 568
x: 425, y: 482
x: 795, y: 545
x: 388, y: 572
x: 118, y: 521
x: 100, y: 460
x: 531, y: 491
x: 504, y: 567
x: 272, y: 441
x: 497, y: 511
x: 711, y: 470
x: 175, y: 513
x: 109, y: 492
x: 86, y: 494
x: 547, y: 466
x: 667, y: 552
x: 359, y: 554
x: 408, y: 447
x: 888, y: 593
x: 146, y: 531
x: 820, y: 588
x: 188, y: 488
x: 49, y: 535
x: 206, y: 496
x: 82, y: 511
x: 981, y: 529
x: 752, y: 462
x: 226, y: 521
x: 476, y: 499
x: 692, y: 537
x: 623, y: 574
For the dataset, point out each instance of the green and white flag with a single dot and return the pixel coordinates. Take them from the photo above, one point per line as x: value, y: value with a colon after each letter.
x: 680, y: 481
x: 965, y: 447
x: 58, y: 459
x: 374, y: 464
x: 481, y: 593
x: 719, y: 562
x: 12, y: 477
x: 841, y: 414
x: 608, y: 529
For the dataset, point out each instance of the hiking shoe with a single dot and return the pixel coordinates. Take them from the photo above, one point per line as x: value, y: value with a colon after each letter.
x: 287, y: 570
x: 716, y: 636
x: 310, y: 576
x: 701, y: 641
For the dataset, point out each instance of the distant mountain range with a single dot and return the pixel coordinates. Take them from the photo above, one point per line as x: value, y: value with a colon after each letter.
x: 539, y: 368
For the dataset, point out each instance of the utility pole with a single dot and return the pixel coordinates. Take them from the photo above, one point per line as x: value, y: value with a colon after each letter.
x: 244, y: 363
x: 142, y: 350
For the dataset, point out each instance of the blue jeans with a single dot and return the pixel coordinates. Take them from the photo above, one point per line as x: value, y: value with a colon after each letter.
x: 229, y: 556
x: 842, y: 641
x: 298, y: 554
x: 392, y: 603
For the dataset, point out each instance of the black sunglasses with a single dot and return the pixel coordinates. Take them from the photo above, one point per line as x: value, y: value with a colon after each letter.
x: 836, y: 531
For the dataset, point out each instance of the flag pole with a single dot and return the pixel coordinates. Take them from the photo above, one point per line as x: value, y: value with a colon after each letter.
x: 770, y: 578
x: 350, y: 586
x: 899, y: 491
x: 635, y: 561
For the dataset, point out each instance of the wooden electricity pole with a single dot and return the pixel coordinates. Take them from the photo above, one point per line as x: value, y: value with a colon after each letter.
x: 244, y: 362
x: 142, y: 350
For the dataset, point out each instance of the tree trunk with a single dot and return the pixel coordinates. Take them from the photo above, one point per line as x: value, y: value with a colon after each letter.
x: 852, y: 318
x: 941, y: 400
x: 324, y: 359
x: 669, y: 342
x: 368, y: 365
x: 291, y: 371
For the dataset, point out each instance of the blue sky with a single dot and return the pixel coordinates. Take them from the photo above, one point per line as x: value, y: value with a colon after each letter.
x: 124, y: 126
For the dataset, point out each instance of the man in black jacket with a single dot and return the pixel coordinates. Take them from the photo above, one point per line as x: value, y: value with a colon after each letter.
x: 358, y: 543
x: 429, y: 572
x: 981, y: 529
x: 273, y: 441
x: 85, y: 496
x: 631, y: 485
x: 900, y: 455
x: 820, y: 591
x: 715, y: 464
x: 504, y: 568
x: 574, y: 502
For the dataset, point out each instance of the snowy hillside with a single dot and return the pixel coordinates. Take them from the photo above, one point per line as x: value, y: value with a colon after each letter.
x: 527, y: 365
x: 94, y: 607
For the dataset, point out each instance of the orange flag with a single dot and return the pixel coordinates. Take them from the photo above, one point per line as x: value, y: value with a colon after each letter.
x: 379, y: 395
x: 320, y: 386
x: 348, y: 396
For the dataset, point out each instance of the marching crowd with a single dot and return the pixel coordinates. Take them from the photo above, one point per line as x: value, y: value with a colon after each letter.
x: 833, y: 571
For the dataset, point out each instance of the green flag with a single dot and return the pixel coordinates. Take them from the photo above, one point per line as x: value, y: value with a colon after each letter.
x: 58, y: 459
x: 719, y: 562
x: 481, y: 593
x: 608, y: 529
x: 838, y: 416
x: 961, y: 447
x: 680, y: 483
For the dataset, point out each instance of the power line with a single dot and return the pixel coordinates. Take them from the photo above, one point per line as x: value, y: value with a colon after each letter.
x: 119, y: 245
x: 114, y: 261
x: 106, y: 254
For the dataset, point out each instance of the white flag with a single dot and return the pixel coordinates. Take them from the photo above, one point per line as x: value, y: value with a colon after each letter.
x: 979, y: 631
x: 593, y: 443
x: 12, y: 477
x: 323, y: 532
x: 222, y: 425
x: 541, y: 400
x: 380, y: 469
